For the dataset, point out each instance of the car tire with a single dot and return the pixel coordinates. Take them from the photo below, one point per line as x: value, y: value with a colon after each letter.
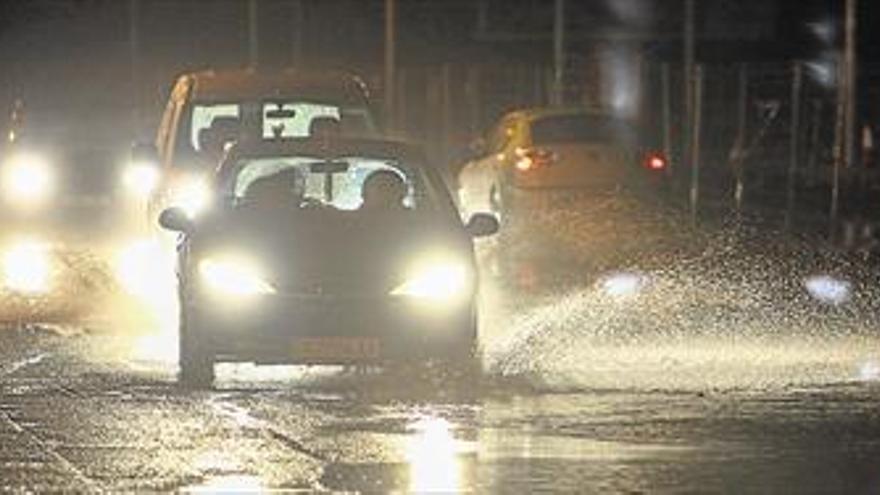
x: 195, y: 359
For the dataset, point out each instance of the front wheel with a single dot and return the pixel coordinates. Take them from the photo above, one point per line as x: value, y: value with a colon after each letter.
x: 195, y: 359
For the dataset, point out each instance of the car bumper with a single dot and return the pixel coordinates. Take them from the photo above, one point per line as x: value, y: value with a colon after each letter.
x: 332, y: 330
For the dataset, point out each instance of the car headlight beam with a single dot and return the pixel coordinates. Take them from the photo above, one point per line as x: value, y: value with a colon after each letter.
x: 192, y: 195
x: 27, y: 180
x: 442, y: 280
x: 26, y: 268
x: 233, y: 276
x: 141, y: 178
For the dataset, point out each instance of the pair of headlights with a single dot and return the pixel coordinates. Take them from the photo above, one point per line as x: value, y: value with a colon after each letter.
x: 29, y: 180
x: 437, y: 280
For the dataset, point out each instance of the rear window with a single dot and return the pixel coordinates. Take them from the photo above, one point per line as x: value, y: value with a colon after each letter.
x: 582, y: 129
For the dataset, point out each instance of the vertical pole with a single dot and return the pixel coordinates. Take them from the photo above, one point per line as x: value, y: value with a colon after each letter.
x: 695, y: 142
x: 475, y: 99
x: 840, y: 114
x: 296, y: 49
x: 666, y: 111
x: 400, y: 110
x: 688, y: 80
x: 134, y: 47
x: 814, y: 144
x: 558, y: 52
x: 742, y: 116
x: 794, y: 143
x: 446, y: 111
x: 253, y: 34
x: 390, y: 53
x: 851, y: 84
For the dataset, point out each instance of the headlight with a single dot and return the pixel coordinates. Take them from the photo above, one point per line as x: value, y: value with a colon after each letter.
x: 141, y: 179
x: 233, y: 276
x: 439, y: 280
x: 26, y: 268
x: 191, y: 194
x: 27, y: 180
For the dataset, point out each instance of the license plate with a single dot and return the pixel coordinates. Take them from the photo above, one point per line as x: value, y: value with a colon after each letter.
x: 336, y: 348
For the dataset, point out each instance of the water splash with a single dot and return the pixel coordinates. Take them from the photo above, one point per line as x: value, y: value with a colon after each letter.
x: 715, y: 309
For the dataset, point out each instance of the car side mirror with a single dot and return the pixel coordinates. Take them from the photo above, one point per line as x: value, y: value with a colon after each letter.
x: 175, y: 220
x: 145, y: 153
x: 482, y: 225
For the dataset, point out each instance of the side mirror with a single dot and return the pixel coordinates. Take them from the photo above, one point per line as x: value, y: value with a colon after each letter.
x: 145, y: 153
x: 176, y: 220
x: 482, y: 225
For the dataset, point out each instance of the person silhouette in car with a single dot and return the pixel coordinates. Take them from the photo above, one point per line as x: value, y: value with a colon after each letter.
x: 383, y: 190
x: 284, y: 189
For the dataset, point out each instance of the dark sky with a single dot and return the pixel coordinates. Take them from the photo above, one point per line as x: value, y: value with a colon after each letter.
x: 77, y: 51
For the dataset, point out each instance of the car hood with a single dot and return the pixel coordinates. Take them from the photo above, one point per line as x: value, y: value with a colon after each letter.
x: 331, y: 251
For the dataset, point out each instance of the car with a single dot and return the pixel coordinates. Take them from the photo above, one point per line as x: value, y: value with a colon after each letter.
x: 207, y: 110
x: 569, y: 149
x: 69, y: 200
x: 318, y: 274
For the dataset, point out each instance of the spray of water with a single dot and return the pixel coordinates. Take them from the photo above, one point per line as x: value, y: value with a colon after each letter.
x: 715, y: 308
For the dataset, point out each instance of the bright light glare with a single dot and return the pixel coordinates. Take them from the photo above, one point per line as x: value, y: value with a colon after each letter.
x: 192, y: 195
x: 869, y: 371
x: 828, y: 290
x: 443, y: 280
x: 26, y: 268
x: 28, y: 180
x: 233, y: 276
x: 237, y: 483
x: 623, y: 284
x: 140, y: 266
x: 432, y: 455
x: 141, y: 178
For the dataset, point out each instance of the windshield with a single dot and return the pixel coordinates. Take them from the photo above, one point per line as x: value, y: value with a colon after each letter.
x: 581, y: 129
x: 339, y: 183
x: 223, y: 122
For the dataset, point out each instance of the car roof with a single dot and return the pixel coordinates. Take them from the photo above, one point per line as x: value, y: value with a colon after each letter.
x: 382, y: 148
x: 537, y: 113
x: 237, y: 84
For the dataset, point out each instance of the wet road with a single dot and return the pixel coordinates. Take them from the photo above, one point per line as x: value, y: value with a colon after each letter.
x: 83, y: 410
x: 710, y: 374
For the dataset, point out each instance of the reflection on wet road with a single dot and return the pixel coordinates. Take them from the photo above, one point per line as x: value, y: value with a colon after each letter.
x: 71, y: 420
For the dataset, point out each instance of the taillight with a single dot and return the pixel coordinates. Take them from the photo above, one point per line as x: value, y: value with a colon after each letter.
x: 655, y: 161
x: 533, y: 158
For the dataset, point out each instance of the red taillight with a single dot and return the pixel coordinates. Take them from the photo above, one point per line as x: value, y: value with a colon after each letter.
x: 655, y: 161
x: 533, y: 158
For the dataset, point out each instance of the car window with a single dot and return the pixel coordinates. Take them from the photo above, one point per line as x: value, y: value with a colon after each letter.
x: 336, y: 183
x: 205, y: 115
x: 581, y: 129
x: 289, y: 118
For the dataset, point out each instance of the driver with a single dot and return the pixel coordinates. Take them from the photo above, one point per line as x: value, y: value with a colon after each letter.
x: 284, y: 189
x: 383, y: 190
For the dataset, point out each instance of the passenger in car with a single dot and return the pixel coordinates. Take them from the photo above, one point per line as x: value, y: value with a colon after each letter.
x: 325, y: 128
x: 383, y: 190
x: 280, y: 190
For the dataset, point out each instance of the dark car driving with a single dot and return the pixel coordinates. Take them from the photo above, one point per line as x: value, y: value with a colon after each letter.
x: 314, y: 251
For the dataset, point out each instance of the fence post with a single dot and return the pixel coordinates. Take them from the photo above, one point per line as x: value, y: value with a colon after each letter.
x: 695, y: 141
x: 667, y: 112
x: 794, y: 142
x: 401, y: 118
x: 739, y: 151
x: 814, y: 145
x: 446, y: 112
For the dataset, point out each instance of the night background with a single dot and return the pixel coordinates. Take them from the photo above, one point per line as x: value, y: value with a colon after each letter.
x: 549, y: 249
